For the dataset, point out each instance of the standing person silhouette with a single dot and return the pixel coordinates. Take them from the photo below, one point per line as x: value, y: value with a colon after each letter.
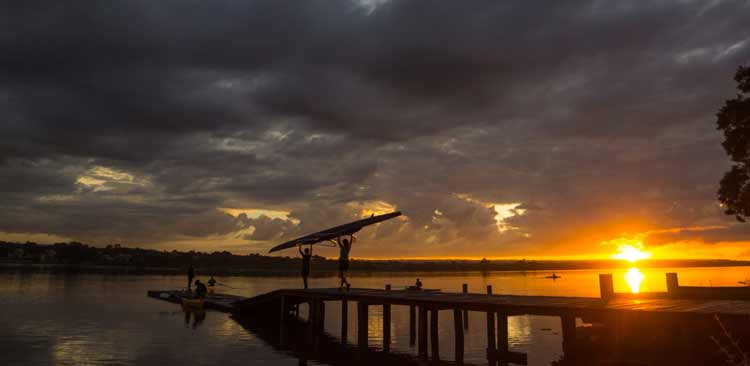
x: 306, y: 256
x: 345, y: 246
x: 191, y: 275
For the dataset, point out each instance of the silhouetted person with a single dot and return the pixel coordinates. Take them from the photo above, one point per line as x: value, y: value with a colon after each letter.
x: 418, y: 284
x: 345, y: 246
x: 200, y: 289
x: 306, y: 256
x: 191, y: 275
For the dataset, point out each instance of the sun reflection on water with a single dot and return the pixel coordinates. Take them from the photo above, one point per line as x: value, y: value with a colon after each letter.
x: 634, y: 277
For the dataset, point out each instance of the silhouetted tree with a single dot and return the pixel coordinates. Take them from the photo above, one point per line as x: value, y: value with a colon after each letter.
x: 734, y: 120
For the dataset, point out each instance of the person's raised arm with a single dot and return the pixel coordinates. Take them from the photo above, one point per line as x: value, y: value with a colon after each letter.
x: 299, y: 247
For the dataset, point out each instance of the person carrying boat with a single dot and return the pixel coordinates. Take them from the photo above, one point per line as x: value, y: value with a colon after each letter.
x: 191, y: 275
x: 345, y: 246
x: 200, y: 289
x: 306, y: 256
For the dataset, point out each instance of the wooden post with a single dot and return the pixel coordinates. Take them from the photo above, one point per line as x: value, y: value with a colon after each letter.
x: 458, y: 329
x: 362, y: 317
x: 465, y: 290
x: 313, y: 318
x: 311, y: 311
x: 568, y: 323
x: 422, y: 346
x: 489, y: 290
x: 606, y: 286
x: 344, y: 321
x: 491, y: 349
x: 502, y: 339
x: 672, y: 284
x: 434, y: 335
x: 412, y: 324
x: 386, y: 327
x: 320, y: 326
x: 282, y: 319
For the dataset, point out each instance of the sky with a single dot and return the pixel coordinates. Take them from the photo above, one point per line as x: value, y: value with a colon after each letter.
x: 518, y: 129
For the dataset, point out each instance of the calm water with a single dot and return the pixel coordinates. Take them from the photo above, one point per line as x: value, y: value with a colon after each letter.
x: 101, y: 319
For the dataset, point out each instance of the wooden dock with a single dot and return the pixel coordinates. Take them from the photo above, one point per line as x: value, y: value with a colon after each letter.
x: 279, y: 306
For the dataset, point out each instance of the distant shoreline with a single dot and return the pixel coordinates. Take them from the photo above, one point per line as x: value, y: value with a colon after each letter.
x: 326, y: 268
x: 78, y: 257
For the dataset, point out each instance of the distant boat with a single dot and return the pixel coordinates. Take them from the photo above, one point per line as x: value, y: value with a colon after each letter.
x: 553, y: 276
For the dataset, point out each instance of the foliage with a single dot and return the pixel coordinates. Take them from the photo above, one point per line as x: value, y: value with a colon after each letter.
x: 734, y: 120
x: 729, y: 346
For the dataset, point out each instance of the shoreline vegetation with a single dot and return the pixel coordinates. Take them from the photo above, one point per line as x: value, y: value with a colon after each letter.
x: 115, y: 258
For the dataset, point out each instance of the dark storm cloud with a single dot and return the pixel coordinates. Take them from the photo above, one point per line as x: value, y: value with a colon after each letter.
x: 595, y: 116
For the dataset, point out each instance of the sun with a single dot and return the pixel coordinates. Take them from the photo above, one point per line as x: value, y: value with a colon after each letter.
x: 631, y: 252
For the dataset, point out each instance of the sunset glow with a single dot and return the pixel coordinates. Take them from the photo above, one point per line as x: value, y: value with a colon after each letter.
x: 631, y: 252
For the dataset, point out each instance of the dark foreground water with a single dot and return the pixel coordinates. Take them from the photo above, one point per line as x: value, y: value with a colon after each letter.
x: 106, y: 319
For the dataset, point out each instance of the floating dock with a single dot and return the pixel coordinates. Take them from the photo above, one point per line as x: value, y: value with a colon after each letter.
x: 221, y: 302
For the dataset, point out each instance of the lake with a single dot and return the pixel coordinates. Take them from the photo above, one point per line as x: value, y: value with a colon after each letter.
x: 106, y: 319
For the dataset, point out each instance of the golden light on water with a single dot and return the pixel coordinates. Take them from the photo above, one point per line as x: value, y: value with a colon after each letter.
x: 634, y: 277
x: 631, y: 252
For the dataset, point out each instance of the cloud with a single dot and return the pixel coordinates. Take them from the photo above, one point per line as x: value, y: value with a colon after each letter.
x: 136, y: 121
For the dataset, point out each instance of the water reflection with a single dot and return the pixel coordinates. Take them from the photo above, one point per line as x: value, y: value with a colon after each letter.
x: 197, y: 315
x: 50, y: 319
x: 634, y: 278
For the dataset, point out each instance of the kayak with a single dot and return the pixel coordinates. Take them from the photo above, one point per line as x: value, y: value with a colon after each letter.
x: 335, y: 232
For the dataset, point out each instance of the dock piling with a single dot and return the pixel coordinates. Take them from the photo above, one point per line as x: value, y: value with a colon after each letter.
x: 344, y: 321
x: 321, y: 315
x: 465, y: 290
x: 362, y: 330
x: 568, y: 323
x: 386, y: 327
x: 502, y: 339
x: 282, y: 319
x: 458, y: 327
x: 434, y: 335
x: 606, y: 286
x: 422, y: 339
x: 672, y: 284
x: 412, y: 324
x: 491, y: 349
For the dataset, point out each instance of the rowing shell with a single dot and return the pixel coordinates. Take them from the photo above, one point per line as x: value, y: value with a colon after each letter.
x: 335, y: 232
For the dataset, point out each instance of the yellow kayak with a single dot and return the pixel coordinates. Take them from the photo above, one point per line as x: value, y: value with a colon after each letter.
x: 192, y: 303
